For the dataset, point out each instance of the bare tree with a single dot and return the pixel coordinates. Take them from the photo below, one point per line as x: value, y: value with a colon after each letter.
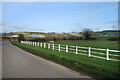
x: 87, y: 33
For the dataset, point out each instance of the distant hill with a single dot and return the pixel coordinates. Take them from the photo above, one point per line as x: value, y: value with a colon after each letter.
x: 110, y: 30
x: 107, y: 31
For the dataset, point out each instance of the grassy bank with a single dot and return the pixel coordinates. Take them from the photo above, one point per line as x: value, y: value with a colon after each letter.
x: 80, y: 63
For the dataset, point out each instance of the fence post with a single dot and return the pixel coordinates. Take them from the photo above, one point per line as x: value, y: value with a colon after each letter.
x: 44, y: 45
x: 66, y: 48
x: 53, y: 46
x: 38, y: 43
x: 41, y: 44
x: 89, y: 51
x: 107, y: 54
x: 49, y: 46
x: 59, y: 47
x: 33, y: 43
x: 76, y: 49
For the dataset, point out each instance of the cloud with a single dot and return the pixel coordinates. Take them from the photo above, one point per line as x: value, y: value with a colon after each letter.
x: 111, y: 22
x: 8, y: 27
x: 21, y: 28
x: 97, y: 29
x: 78, y: 27
x: 16, y: 26
x: 114, y: 26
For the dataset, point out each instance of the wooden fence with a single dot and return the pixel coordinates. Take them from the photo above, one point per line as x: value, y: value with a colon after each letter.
x: 89, y: 51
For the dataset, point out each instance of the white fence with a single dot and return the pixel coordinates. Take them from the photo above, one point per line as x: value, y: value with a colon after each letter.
x: 91, y: 52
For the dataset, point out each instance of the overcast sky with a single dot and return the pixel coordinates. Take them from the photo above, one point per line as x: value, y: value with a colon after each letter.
x: 59, y: 16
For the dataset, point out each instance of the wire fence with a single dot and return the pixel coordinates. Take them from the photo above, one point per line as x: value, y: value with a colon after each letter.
x: 88, y: 51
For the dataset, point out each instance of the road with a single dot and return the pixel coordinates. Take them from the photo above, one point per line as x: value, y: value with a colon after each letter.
x: 21, y: 64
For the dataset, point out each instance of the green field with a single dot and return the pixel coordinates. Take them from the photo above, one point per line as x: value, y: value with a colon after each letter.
x: 93, y: 43
x: 103, y: 37
x: 92, y: 66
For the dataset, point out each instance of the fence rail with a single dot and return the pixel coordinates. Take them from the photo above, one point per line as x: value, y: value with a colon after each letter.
x: 91, y: 52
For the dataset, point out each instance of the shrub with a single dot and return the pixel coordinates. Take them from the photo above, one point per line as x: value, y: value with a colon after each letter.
x: 114, y: 38
x: 42, y: 39
x: 45, y: 39
x: 92, y: 38
x: 64, y: 38
x: 74, y: 38
x: 71, y: 38
x: 78, y: 38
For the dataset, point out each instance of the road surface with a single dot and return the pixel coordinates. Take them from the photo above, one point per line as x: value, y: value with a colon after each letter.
x: 21, y: 64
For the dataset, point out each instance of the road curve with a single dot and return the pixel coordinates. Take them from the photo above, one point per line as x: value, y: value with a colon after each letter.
x: 21, y: 64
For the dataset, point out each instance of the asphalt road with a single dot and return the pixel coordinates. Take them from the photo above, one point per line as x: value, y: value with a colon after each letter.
x: 21, y: 64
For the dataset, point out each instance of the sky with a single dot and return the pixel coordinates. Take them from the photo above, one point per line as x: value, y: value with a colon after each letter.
x: 59, y: 16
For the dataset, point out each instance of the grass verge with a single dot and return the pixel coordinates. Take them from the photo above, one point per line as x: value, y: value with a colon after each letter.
x: 98, y: 67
